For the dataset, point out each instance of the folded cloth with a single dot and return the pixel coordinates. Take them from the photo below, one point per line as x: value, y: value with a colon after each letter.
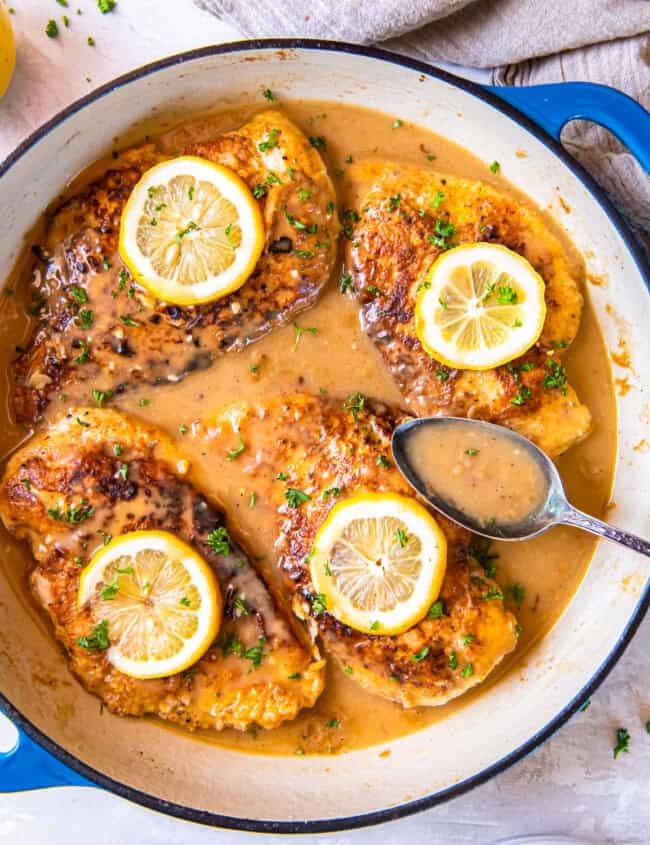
x: 525, y: 41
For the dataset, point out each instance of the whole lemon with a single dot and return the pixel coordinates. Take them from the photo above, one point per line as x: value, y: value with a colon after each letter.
x: 7, y: 50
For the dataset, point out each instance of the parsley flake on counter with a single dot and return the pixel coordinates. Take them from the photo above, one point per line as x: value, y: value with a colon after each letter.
x: 106, y: 6
x: 269, y: 95
x: 495, y: 167
x: 52, y: 29
x: 622, y: 742
x: 90, y: 41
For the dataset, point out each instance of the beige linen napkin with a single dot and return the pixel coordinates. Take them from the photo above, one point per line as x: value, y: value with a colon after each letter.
x: 525, y: 41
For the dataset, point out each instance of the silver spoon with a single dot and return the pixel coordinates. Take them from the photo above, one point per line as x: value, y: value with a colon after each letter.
x: 554, y: 508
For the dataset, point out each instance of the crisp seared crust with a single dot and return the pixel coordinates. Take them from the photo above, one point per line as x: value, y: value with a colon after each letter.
x: 388, y: 250
x: 320, y: 445
x: 159, y: 343
x: 71, y: 462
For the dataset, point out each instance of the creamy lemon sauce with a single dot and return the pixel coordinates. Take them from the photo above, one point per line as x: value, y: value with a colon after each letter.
x: 340, y: 359
x: 481, y: 473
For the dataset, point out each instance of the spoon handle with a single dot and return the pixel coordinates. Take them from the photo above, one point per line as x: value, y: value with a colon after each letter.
x: 572, y: 516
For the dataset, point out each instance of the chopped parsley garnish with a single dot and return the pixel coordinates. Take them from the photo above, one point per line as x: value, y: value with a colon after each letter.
x: 295, y: 498
x: 300, y: 331
x: 191, y: 227
x: 348, y: 670
x: 506, y: 296
x: 468, y: 638
x: 556, y: 377
x: 443, y: 375
x: 318, y: 604
x: 402, y: 537
x: 78, y: 294
x: 105, y: 6
x: 79, y: 561
x: 268, y: 95
x: 303, y: 194
x: 518, y: 630
x: 346, y: 283
x: 90, y: 41
x: 622, y: 742
x: 310, y: 228
x: 259, y: 191
x: 253, y: 499
x: 517, y: 324
x: 331, y: 491
x: 394, y: 202
x: 129, y: 321
x: 467, y: 670
x: 101, y: 396
x: 97, y: 639
x: 190, y: 194
x: 282, y: 476
x: 471, y: 452
x: 231, y: 454
x: 439, y: 197
x: 382, y: 461
x: 397, y: 123
x: 106, y: 538
x: 327, y: 569
x: 118, y: 449
x: 517, y: 593
x: 184, y: 602
x: 420, y: 655
x: 241, y: 606
x: 332, y: 723
x: 355, y: 403
x: 75, y: 515
x: 123, y: 471
x: 443, y: 304
x: 144, y: 402
x: 294, y: 676
x: 522, y: 395
x: 376, y: 625
x: 443, y: 231
x: 83, y: 422
x: 436, y: 611
x: 219, y: 541
x: 109, y: 592
x: 85, y: 319
x: 318, y: 142
x: 492, y: 593
x: 452, y: 661
x: 373, y: 289
x: 84, y: 356
x: 495, y: 167
x: 52, y: 29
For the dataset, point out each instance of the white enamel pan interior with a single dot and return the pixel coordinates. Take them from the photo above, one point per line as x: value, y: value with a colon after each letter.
x: 173, y: 773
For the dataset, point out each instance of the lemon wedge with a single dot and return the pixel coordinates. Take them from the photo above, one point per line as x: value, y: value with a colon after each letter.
x: 480, y: 306
x: 155, y: 601
x: 377, y: 562
x: 7, y: 50
x: 191, y: 231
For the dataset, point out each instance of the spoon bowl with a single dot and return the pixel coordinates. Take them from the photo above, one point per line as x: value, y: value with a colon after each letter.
x: 552, y: 506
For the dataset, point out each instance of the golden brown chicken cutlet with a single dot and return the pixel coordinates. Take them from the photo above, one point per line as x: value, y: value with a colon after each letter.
x: 405, y: 221
x: 329, y: 449
x: 97, y: 328
x: 97, y: 474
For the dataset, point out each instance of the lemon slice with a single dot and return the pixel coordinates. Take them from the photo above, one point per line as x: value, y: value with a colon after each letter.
x: 377, y: 562
x: 480, y: 306
x: 157, y: 600
x: 191, y: 231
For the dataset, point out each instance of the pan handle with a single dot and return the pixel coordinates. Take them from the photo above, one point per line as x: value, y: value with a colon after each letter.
x: 29, y: 766
x: 552, y: 106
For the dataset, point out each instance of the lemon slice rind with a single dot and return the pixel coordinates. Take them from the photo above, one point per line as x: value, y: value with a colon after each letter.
x: 408, y: 576
x: 190, y: 232
x: 465, y: 325
x: 166, y: 595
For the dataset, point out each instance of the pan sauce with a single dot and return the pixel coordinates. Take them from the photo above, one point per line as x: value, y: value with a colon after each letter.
x: 339, y: 358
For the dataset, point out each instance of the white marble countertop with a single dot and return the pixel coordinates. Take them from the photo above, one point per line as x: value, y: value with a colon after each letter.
x: 571, y: 785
